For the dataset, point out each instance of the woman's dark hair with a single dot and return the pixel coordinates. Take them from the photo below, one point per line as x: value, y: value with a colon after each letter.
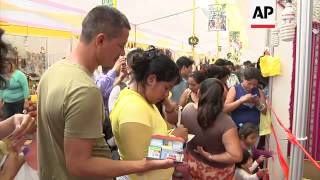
x: 4, y: 48
x: 219, y: 72
x: 198, y: 76
x: 153, y: 62
x: 210, y: 101
x: 250, y: 73
x: 3, y: 52
x: 247, y: 129
x: 245, y: 157
x: 133, y: 53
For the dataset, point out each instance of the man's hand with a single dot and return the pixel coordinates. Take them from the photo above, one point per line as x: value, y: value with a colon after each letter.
x: 157, y: 164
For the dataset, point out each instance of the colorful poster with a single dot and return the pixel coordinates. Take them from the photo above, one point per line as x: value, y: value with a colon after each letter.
x: 217, y: 17
x: 112, y: 3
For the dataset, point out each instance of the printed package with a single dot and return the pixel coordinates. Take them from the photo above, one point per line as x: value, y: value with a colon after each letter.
x: 164, y: 147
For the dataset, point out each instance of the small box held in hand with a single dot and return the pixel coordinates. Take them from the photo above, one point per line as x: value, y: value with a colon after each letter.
x: 164, y: 147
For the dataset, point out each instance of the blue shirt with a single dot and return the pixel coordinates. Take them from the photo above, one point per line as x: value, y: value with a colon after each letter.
x: 246, y: 112
x: 178, y: 89
x: 105, y: 82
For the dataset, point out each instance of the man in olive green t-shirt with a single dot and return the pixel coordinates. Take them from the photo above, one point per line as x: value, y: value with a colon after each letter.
x: 70, y: 110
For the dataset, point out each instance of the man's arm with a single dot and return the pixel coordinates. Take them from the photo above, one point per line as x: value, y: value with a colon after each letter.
x: 105, y: 82
x: 80, y: 162
x: 83, y: 126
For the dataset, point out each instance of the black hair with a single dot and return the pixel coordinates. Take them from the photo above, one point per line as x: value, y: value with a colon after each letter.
x: 250, y: 73
x: 4, y: 50
x: 184, y: 61
x: 210, y: 102
x: 220, y: 62
x: 103, y: 19
x: 246, y: 129
x: 153, y: 62
x: 229, y: 63
x: 133, y: 53
x: 247, y: 63
x: 219, y: 72
x: 198, y: 76
x: 245, y: 157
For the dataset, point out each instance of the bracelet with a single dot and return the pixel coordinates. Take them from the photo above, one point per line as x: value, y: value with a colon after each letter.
x: 211, y: 157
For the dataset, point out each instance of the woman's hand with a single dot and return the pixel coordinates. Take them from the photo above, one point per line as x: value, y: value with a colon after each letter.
x: 246, y: 98
x: 11, y: 166
x: 181, y: 132
x: 203, y: 153
x: 261, y: 159
x: 23, y: 124
x: 31, y: 109
x: 262, y: 172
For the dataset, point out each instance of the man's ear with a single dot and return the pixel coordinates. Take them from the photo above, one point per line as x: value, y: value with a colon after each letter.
x: 100, y: 39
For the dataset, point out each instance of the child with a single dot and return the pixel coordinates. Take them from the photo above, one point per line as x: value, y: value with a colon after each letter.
x: 249, y: 134
x: 243, y: 168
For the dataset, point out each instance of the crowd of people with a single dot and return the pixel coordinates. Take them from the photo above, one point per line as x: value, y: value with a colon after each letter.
x: 101, y: 127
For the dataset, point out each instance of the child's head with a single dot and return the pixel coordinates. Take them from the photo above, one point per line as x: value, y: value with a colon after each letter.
x: 248, y: 134
x: 246, y: 161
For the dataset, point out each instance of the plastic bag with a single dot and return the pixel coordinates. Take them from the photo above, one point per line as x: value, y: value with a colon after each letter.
x: 270, y: 66
x: 265, y: 123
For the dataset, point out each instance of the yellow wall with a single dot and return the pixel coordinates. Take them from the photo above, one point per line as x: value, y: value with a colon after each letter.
x: 34, y: 31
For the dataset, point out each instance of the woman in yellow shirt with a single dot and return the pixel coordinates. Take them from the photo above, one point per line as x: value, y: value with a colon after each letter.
x: 135, y: 118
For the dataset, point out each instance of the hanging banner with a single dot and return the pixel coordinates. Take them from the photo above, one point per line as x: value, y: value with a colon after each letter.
x: 263, y: 14
x: 217, y: 17
x: 111, y: 3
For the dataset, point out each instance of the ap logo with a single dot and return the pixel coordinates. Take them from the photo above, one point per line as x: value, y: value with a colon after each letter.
x: 263, y: 13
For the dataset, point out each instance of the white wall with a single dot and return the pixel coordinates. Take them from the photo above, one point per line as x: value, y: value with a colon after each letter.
x: 255, y: 38
x: 281, y: 86
x: 281, y: 89
x: 57, y: 49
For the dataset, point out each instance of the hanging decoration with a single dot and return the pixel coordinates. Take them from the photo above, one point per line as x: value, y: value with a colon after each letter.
x: 288, y: 25
x: 193, y: 40
x: 316, y: 10
x: 217, y: 17
x: 275, y: 37
x: 111, y: 3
